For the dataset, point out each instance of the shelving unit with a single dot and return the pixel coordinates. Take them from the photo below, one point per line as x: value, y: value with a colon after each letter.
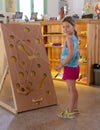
x: 82, y: 37
x: 93, y: 47
x: 88, y: 32
x: 53, y: 41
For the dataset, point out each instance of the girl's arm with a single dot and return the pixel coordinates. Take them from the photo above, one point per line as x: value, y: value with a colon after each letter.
x: 70, y: 47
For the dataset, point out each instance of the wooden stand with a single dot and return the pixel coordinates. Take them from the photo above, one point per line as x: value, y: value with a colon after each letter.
x: 26, y: 81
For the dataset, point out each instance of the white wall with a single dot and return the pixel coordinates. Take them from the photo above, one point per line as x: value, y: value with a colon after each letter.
x: 2, y: 6
x: 52, y: 6
x: 75, y: 6
x: 3, y: 10
x: 70, y: 4
x: 78, y: 6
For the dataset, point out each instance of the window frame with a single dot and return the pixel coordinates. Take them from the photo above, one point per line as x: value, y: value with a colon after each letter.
x: 32, y: 6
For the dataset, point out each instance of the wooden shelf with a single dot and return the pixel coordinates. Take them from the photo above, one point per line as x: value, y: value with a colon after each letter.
x: 48, y: 45
x: 81, y: 63
x: 88, y: 34
x: 50, y: 35
x: 79, y: 82
x: 82, y: 35
x: 83, y: 48
x: 55, y: 60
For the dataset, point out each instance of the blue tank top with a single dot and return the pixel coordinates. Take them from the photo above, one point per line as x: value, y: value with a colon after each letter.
x: 74, y: 61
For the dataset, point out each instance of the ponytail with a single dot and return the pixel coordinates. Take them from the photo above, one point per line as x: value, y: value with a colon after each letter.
x: 75, y: 33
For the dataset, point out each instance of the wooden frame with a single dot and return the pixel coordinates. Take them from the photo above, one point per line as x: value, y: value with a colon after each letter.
x: 27, y: 77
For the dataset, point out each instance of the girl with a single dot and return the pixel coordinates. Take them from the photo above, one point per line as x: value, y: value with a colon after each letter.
x: 69, y: 60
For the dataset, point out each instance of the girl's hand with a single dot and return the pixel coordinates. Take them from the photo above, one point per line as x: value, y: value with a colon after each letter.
x: 58, y: 67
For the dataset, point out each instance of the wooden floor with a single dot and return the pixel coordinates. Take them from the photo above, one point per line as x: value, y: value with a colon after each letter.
x: 46, y: 118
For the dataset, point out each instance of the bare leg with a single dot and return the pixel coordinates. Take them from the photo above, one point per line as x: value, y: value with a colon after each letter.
x: 76, y: 100
x: 73, y: 101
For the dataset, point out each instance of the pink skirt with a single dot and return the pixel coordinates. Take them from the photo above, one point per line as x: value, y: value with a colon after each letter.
x: 71, y: 73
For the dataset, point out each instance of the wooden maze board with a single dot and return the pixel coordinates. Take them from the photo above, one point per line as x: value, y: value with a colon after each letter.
x: 3, y: 61
x: 31, y: 81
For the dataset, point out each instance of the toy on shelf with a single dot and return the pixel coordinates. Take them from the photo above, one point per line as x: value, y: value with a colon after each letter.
x: 61, y: 13
x: 82, y: 59
x: 79, y: 78
x: 54, y: 74
x: 59, y: 76
x: 84, y: 79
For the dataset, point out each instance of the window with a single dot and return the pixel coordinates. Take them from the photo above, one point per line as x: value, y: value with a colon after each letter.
x: 38, y: 7
x: 30, y: 6
x: 25, y: 7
